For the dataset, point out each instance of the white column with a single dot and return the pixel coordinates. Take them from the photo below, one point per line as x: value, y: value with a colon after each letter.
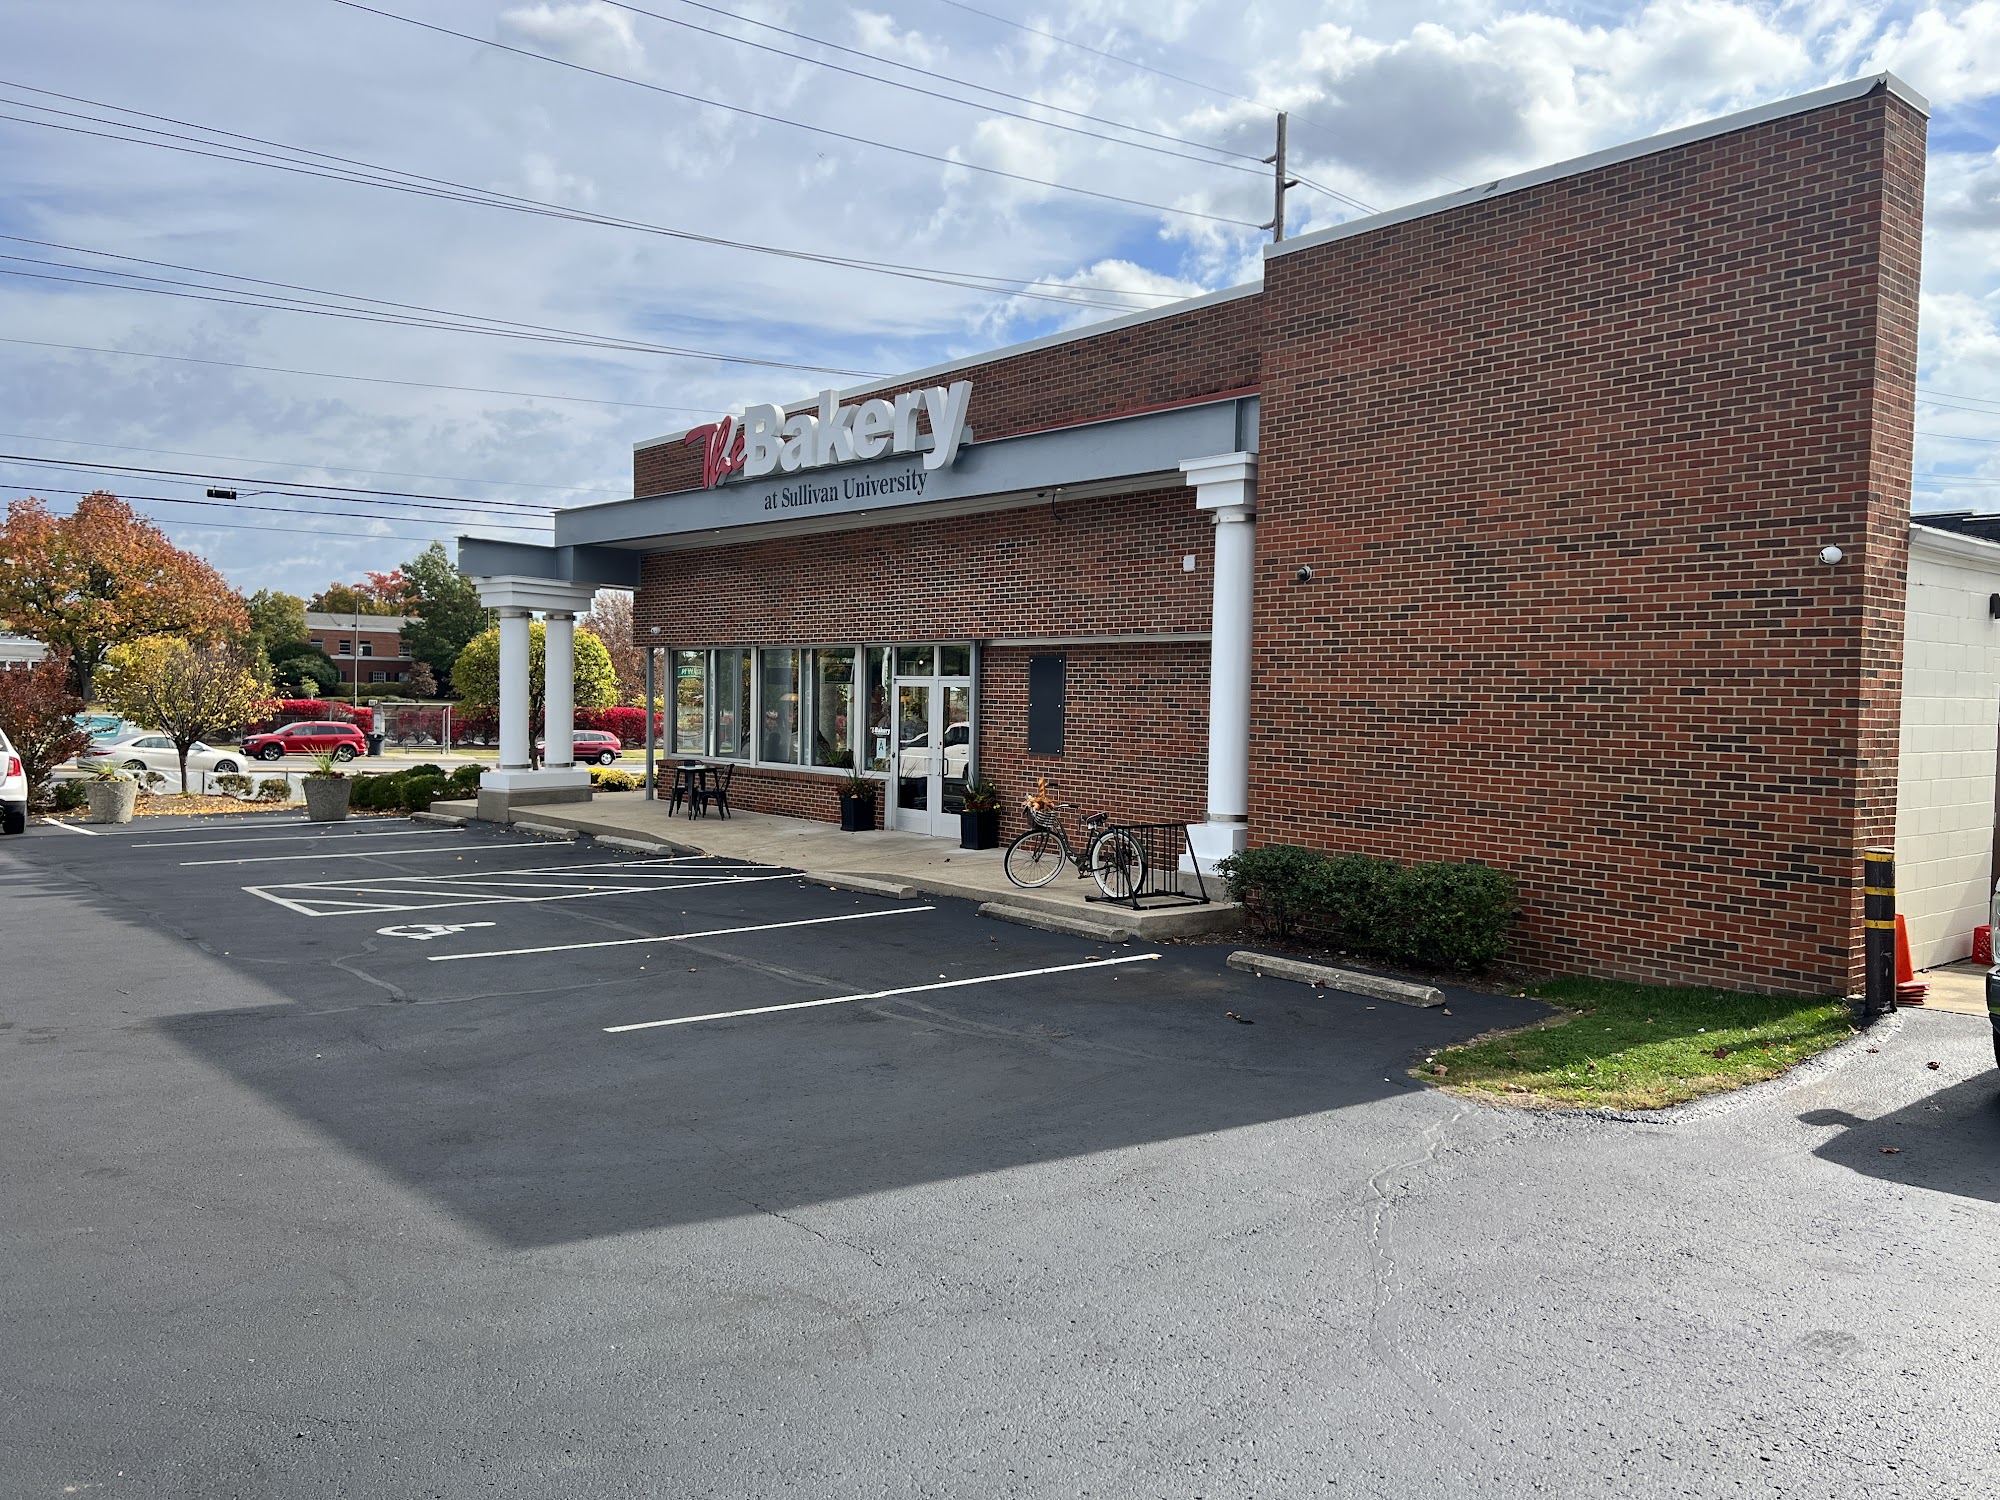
x: 516, y: 736
x: 1226, y: 488
x: 559, y: 691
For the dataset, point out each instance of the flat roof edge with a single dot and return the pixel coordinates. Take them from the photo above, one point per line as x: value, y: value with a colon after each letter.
x: 1839, y: 93
x: 1009, y: 351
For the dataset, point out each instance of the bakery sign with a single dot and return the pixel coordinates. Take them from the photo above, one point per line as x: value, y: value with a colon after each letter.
x: 766, y: 441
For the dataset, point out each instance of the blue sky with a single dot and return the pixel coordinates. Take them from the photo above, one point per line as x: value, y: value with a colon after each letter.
x: 1390, y: 103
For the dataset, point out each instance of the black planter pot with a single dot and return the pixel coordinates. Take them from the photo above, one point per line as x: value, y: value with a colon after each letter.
x: 857, y: 814
x: 979, y: 829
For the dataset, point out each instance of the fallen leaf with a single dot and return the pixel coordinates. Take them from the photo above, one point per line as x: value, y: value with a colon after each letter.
x: 1874, y: 1049
x: 1438, y: 1070
x: 1240, y: 1020
x: 1891, y: 1150
x: 1446, y: 1011
x: 1931, y: 1066
x: 1513, y: 1088
x: 1720, y: 1052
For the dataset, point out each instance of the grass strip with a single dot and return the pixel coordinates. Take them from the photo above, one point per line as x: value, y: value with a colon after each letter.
x: 1640, y: 1046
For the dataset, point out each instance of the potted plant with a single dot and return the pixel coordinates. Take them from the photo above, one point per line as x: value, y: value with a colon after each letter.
x: 113, y: 795
x: 979, y: 817
x: 857, y: 803
x: 327, y: 790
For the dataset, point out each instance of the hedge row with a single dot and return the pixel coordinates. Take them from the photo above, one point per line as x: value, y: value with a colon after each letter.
x: 1450, y: 915
x: 414, y: 789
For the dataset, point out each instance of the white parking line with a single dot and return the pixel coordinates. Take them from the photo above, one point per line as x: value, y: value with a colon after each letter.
x: 72, y: 828
x: 910, y: 989
x: 296, y: 838
x: 267, y: 859
x: 678, y: 937
x: 496, y: 887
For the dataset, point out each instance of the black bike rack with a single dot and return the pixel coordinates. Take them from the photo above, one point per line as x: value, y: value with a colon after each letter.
x: 1162, y: 845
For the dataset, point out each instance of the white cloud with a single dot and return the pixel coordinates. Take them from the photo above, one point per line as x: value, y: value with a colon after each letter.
x: 595, y: 35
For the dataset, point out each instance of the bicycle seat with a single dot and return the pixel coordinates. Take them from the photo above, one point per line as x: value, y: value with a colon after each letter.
x: 1099, y: 817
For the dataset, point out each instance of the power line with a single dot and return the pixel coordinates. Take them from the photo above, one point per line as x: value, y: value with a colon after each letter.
x: 354, y: 171
x: 337, y: 489
x: 280, y: 510
x: 289, y: 463
x: 320, y: 531
x: 422, y: 385
x: 443, y: 321
x: 820, y: 62
x: 655, y: 88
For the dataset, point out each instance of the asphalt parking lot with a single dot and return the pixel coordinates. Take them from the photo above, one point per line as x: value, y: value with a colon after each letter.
x: 384, y: 1159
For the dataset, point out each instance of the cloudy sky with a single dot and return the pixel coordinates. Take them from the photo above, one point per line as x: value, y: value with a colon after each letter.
x: 489, y: 206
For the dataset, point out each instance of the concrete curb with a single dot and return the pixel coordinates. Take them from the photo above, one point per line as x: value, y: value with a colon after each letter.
x: 1352, y: 981
x: 441, y: 820
x: 1050, y: 921
x: 868, y: 884
x: 643, y: 846
x: 547, y: 831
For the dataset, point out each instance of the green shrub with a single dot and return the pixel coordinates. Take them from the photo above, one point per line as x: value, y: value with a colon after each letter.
x: 424, y: 769
x: 68, y: 796
x: 418, y: 792
x: 233, y: 784
x: 464, y: 780
x: 1450, y: 915
x: 375, y: 793
x: 1454, y: 914
x: 1278, y: 884
x: 274, y: 789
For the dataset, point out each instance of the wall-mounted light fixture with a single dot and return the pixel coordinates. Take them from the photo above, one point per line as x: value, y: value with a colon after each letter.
x: 1304, y: 575
x: 1993, y: 606
x: 1187, y: 563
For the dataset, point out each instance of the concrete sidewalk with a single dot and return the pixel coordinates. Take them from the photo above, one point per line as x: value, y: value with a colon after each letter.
x: 904, y: 864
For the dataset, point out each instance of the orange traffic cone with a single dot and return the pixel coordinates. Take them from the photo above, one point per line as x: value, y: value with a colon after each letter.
x: 1909, y: 990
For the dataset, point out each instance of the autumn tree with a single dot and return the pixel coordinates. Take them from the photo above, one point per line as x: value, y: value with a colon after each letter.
x: 103, y: 576
x: 376, y: 594
x: 477, y: 675
x: 447, y: 608
x: 610, y: 619
x: 185, y: 692
x: 38, y: 715
x: 276, y: 620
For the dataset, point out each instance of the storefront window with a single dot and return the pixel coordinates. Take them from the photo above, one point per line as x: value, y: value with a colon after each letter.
x: 879, y: 744
x: 914, y: 661
x: 690, y: 702
x: 832, y: 676
x: 730, y: 690
x: 778, y: 741
x: 954, y: 661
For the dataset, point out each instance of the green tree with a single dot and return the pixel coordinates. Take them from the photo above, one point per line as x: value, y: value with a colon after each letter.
x: 448, y: 612
x: 276, y: 620
x: 478, y: 671
x: 304, y: 670
x: 184, y: 692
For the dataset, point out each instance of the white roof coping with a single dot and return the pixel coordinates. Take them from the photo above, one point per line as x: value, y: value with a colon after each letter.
x: 1954, y: 543
x: 1046, y: 341
x: 1839, y: 93
x: 321, y: 620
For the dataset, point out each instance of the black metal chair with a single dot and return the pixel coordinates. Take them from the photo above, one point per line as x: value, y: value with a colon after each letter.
x: 683, y: 787
x: 713, y: 787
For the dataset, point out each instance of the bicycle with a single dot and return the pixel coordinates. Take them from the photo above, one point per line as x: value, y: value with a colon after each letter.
x: 1110, y: 854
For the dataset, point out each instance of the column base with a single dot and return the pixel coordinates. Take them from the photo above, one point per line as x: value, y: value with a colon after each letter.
x: 501, y: 791
x: 1211, y: 843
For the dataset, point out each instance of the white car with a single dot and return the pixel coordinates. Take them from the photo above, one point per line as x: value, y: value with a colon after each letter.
x: 155, y: 752
x: 13, y: 789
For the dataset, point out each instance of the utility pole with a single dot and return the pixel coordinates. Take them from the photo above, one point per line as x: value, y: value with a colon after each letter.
x: 1279, y: 183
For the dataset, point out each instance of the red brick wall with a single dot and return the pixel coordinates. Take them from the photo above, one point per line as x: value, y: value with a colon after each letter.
x: 1196, y: 353
x: 1137, y: 714
x: 1563, y: 461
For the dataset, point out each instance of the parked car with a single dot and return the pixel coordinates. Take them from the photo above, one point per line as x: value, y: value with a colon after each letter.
x: 345, y: 741
x: 591, y: 745
x: 155, y: 752
x: 13, y: 789
x: 103, y: 728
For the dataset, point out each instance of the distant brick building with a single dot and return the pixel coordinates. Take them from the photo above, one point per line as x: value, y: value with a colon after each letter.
x: 371, y: 651
x: 1488, y: 528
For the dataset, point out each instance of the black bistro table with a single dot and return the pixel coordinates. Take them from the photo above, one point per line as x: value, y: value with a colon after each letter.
x: 691, y: 776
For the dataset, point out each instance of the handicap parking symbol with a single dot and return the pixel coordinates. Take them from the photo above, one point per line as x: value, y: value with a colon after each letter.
x: 423, y: 932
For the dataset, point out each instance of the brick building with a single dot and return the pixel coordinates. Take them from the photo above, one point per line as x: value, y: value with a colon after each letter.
x: 364, y: 648
x: 1487, y: 528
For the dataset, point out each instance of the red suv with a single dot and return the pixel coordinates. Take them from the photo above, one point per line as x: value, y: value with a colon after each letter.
x: 344, y: 740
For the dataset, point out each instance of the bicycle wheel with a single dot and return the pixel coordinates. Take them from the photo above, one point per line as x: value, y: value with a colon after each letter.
x: 1035, y: 858
x: 1118, y: 864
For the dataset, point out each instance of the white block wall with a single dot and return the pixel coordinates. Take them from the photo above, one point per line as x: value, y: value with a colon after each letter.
x: 1951, y: 726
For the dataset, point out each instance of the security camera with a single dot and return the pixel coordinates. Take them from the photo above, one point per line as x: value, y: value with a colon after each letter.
x: 1831, y: 555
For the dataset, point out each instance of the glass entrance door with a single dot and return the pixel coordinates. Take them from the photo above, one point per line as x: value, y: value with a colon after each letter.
x: 933, y: 747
